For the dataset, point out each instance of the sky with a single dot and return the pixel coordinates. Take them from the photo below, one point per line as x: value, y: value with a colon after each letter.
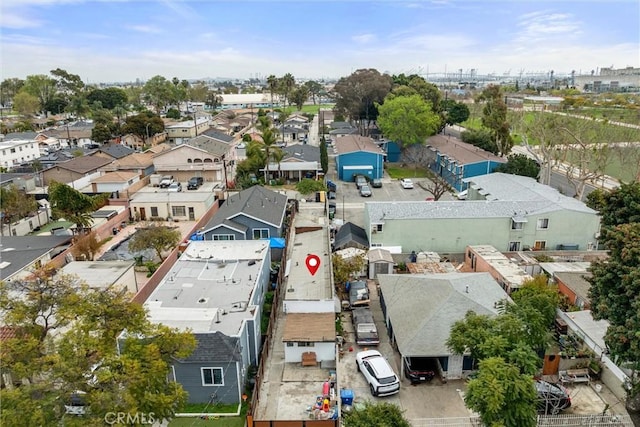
x: 122, y: 40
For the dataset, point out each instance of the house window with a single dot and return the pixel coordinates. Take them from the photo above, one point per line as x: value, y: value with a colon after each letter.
x: 514, y: 246
x: 154, y: 211
x: 543, y: 223
x: 516, y: 225
x: 306, y: 344
x: 224, y: 237
x: 539, y: 245
x: 260, y: 233
x: 211, y: 376
x: 376, y: 245
x: 289, y: 344
x: 379, y: 228
x: 13, y: 150
x: 178, y: 211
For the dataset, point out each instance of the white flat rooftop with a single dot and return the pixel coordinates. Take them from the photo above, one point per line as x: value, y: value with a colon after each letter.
x: 211, y: 286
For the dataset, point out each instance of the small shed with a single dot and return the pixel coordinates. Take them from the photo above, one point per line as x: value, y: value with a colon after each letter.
x: 380, y: 262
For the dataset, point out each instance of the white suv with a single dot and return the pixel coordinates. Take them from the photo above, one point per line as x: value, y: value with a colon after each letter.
x: 378, y: 373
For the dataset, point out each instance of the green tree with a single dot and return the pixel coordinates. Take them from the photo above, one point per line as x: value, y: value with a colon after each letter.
x: 309, y: 186
x: 159, y: 92
x: 143, y: 125
x: 454, y: 112
x: 358, y: 95
x: 481, y: 138
x: 110, y: 97
x: 620, y: 206
x: 9, y: 88
x: 344, y: 269
x: 494, y: 117
x: 15, y: 205
x: 502, y: 395
x: 42, y: 87
x: 324, y: 156
x: 86, y: 246
x: 26, y: 104
x: 70, y: 204
x: 407, y: 120
x: 299, y: 96
x: 314, y: 89
x: 269, y: 142
x: 67, y: 341
x: 381, y: 414
x: 277, y: 155
x: 101, y: 133
x: 160, y: 239
x: 286, y: 85
x: 519, y: 164
x: 67, y: 83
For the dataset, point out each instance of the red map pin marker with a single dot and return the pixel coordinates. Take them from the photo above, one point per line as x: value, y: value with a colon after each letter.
x: 313, y: 263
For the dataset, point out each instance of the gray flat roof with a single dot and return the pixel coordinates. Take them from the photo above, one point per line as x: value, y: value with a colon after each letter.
x: 98, y: 274
x: 301, y: 285
x: 161, y: 195
x: 210, y: 287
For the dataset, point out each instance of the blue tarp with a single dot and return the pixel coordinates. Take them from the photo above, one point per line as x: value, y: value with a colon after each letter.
x: 276, y: 243
x: 196, y: 236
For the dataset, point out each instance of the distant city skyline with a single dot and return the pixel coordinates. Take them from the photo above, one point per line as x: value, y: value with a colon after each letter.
x: 121, y: 41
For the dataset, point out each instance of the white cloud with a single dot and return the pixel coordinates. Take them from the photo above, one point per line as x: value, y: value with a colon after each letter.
x: 536, y: 26
x: 146, y: 29
x: 363, y: 38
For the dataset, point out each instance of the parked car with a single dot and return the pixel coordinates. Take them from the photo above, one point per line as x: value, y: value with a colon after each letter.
x: 376, y: 183
x: 360, y: 180
x: 365, y: 327
x: 331, y: 195
x: 552, y: 398
x: 419, y: 369
x: 174, y: 187
x: 332, y: 209
x: 166, y: 181
x: 332, y: 186
x: 381, y: 378
x: 406, y: 183
x: 365, y: 191
x: 195, y: 182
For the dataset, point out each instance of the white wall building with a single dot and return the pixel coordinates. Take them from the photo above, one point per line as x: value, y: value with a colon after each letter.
x: 14, y: 152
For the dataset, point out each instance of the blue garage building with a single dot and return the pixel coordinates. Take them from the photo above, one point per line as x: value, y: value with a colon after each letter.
x: 358, y: 155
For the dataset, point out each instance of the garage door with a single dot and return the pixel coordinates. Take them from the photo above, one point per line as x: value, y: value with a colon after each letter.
x: 348, y: 172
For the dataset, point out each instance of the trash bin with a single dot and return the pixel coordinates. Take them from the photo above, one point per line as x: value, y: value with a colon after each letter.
x: 346, y: 396
x: 115, y: 231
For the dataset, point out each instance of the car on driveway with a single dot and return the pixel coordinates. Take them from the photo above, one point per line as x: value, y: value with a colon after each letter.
x: 195, y: 182
x: 376, y: 183
x: 365, y: 191
x: 381, y: 378
x: 360, y: 180
x: 406, y: 183
x: 174, y: 187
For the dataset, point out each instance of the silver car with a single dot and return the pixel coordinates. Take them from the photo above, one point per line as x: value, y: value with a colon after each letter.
x: 365, y: 191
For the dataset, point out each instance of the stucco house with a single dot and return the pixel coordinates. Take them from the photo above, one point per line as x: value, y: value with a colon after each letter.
x: 112, y: 182
x: 254, y: 213
x: 419, y: 311
x: 182, y: 132
x: 456, y: 161
x: 511, y: 213
x: 358, y: 155
x: 205, y: 158
x: 140, y: 163
x: 74, y: 169
x: 150, y: 203
x: 113, y: 151
x: 215, y: 290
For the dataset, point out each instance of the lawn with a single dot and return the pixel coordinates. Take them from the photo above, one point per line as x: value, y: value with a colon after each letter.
x: 624, y: 171
x: 624, y: 115
x: 397, y: 171
x: 54, y: 224
x: 237, y: 421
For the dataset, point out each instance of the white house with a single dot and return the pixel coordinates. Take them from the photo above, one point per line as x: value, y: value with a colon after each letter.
x: 15, y: 152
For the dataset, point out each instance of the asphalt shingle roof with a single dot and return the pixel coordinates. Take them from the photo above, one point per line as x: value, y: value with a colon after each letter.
x: 306, y: 152
x: 256, y: 202
x: 20, y: 251
x: 84, y: 164
x: 214, y: 347
x: 209, y: 144
x: 349, y: 233
x: 218, y: 135
x: 117, y: 151
x: 422, y: 308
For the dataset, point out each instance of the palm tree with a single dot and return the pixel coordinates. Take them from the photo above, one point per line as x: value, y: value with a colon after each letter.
x: 272, y: 84
x: 277, y: 155
x: 269, y: 139
x: 287, y: 83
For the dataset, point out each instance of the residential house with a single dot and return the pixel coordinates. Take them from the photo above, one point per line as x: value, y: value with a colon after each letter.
x: 419, y: 311
x: 456, y: 161
x: 20, y: 256
x: 74, y: 169
x: 152, y: 203
x: 254, y: 213
x: 22, y: 181
x: 236, y: 101
x: 350, y: 235
x: 300, y: 161
x: 215, y: 290
x: 358, y: 155
x: 517, y: 214
x: 380, y: 262
x: 140, y: 163
x: 56, y: 157
x: 309, y: 299
x: 15, y: 152
x: 485, y: 258
x: 113, y: 151
x: 114, y: 182
x: 290, y: 134
x: 207, y: 159
x: 182, y: 132
x: 77, y: 134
